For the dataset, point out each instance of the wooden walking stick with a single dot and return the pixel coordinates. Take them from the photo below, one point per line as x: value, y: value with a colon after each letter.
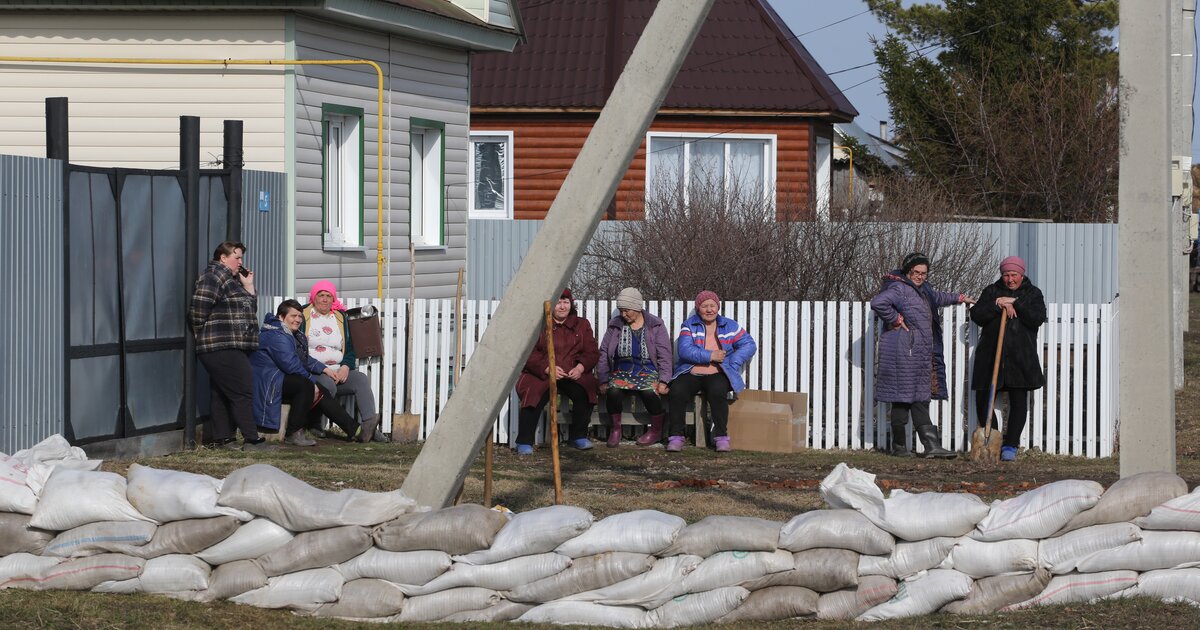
x: 552, y: 414
x: 982, y: 446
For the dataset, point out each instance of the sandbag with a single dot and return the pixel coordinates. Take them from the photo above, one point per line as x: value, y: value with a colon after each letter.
x: 821, y: 570
x: 77, y: 497
x: 922, y: 596
x: 313, y: 549
x: 1062, y: 554
x: 251, y: 540
x: 234, y: 578
x: 588, y: 613
x: 907, y: 516
x: 445, y: 603
x: 504, y: 610
x: 774, y: 603
x: 1156, y: 550
x: 850, y: 603
x: 18, y: 569
x: 303, y: 590
x: 1038, y: 513
x: 584, y: 574
x: 456, y: 530
x: 17, y: 537
x: 730, y: 568
x: 714, y: 534
x: 83, y: 574
x: 1170, y: 585
x: 15, y: 494
x: 908, y: 558
x: 985, y: 559
x: 1181, y: 513
x: 265, y: 490
x: 1129, y: 498
x: 174, y: 573
x: 662, y: 582
x: 694, y: 609
x: 364, y: 599
x: 189, y: 537
x: 1079, y: 587
x: 400, y: 567
x: 173, y: 495
x: 94, y: 538
x: 640, y: 531
x: 835, y: 529
x: 993, y: 593
x: 535, y: 531
x: 500, y: 576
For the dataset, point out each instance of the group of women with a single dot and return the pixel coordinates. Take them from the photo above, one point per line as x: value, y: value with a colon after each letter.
x: 253, y: 370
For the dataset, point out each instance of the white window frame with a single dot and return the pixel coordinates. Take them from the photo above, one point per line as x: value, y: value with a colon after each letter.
x: 342, y: 177
x: 490, y: 213
x: 427, y: 183
x: 770, y: 150
x: 822, y: 175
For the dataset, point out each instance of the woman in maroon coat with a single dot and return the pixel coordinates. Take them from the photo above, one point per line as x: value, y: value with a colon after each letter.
x: 575, y: 356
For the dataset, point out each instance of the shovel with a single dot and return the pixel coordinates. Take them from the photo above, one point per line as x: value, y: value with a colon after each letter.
x: 983, y: 447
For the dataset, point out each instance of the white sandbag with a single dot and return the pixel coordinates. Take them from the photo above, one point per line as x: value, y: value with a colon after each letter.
x: 82, y: 574
x: 1170, y: 585
x: 173, y: 495
x: 400, y: 567
x: 993, y: 593
x: 456, y: 530
x: 820, y: 570
x: 122, y: 587
x: 251, y: 540
x: 440, y: 605
x: 55, y: 450
x: 730, y: 568
x: 835, y: 529
x: 173, y: 573
x: 77, y: 497
x: 694, y: 609
x: 908, y: 558
x: 985, y: 559
x: 188, y: 537
x: 234, y: 578
x: 1129, y: 498
x: 303, y: 590
x: 1079, y: 587
x: 15, y: 494
x: 584, y: 574
x: 640, y: 531
x: 1181, y: 513
x: 314, y: 549
x: 39, y: 474
x: 17, y: 537
x: 850, y: 603
x: 504, y: 610
x: 94, y: 538
x: 663, y: 581
x: 535, y: 531
x: 364, y: 599
x: 714, y: 534
x: 1062, y: 554
x: 500, y: 576
x: 589, y: 614
x: 1038, y: 513
x: 774, y: 603
x: 922, y: 596
x: 905, y: 515
x: 265, y: 490
x: 1156, y: 550
x: 18, y: 569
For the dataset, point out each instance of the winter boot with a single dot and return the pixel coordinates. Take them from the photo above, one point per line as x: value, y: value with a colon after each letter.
x: 653, y: 435
x: 614, y: 431
x: 675, y: 443
x: 899, y: 443
x: 933, y: 443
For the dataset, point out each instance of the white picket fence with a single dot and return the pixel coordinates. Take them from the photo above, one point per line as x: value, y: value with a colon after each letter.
x: 825, y: 349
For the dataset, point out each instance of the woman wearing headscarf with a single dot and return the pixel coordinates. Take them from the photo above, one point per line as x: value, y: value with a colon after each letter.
x: 575, y: 356
x: 635, y: 359
x: 329, y: 342
x: 709, y: 354
x: 1020, y: 368
x: 909, y: 354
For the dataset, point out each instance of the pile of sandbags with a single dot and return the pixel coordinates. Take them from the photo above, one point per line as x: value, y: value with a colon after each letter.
x: 263, y: 538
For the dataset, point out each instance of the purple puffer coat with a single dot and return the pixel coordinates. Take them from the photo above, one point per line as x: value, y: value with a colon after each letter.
x: 658, y: 341
x: 906, y: 356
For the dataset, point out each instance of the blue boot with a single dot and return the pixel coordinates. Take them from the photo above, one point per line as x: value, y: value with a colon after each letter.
x: 524, y: 449
x: 582, y: 444
x: 1008, y: 453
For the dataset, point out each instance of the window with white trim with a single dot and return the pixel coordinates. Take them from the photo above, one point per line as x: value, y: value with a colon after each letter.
x: 490, y: 187
x: 342, y: 179
x: 687, y: 164
x: 427, y: 182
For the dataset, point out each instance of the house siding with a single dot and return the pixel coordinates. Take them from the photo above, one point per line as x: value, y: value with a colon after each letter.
x: 128, y: 115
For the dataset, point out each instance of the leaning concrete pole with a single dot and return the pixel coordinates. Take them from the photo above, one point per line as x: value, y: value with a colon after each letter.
x: 1147, y: 394
x: 460, y: 431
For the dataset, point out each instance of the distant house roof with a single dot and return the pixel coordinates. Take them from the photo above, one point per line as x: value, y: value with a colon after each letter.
x: 891, y: 155
x: 745, y: 58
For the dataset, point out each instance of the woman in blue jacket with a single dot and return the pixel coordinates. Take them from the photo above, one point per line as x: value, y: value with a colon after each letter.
x: 709, y: 355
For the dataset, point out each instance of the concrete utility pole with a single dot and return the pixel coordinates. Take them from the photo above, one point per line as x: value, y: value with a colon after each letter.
x: 1183, y: 79
x: 459, y: 433
x: 1147, y: 397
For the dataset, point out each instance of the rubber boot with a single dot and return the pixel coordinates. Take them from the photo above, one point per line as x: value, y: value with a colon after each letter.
x: 614, y: 431
x: 933, y: 443
x: 899, y: 444
x: 654, y: 434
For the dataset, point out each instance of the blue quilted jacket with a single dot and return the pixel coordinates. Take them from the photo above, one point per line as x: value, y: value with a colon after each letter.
x: 908, y: 359
x: 739, y: 347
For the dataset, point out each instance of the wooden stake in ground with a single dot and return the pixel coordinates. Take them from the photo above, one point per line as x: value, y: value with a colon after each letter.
x: 406, y: 426
x: 552, y: 414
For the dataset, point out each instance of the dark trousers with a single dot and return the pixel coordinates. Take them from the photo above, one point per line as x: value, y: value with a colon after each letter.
x: 328, y: 406
x: 231, y: 385
x: 899, y: 413
x: 581, y: 413
x: 1018, y: 413
x: 715, y: 388
x: 297, y: 392
x: 614, y: 400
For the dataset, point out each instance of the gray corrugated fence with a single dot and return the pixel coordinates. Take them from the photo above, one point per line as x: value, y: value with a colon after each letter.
x: 264, y: 229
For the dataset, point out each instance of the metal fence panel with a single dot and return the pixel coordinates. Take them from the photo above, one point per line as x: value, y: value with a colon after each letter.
x: 265, y: 229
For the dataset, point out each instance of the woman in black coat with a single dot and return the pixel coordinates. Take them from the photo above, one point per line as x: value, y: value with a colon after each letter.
x: 1020, y: 367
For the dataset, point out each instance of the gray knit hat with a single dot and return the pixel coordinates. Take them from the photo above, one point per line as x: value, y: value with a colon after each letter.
x: 631, y: 299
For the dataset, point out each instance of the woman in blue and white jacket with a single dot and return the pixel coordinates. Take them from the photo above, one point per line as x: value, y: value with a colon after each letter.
x: 709, y: 355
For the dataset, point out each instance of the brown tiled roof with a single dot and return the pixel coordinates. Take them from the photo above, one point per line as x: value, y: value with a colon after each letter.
x: 745, y: 58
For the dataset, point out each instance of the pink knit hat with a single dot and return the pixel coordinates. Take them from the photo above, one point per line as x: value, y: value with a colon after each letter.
x: 1012, y: 263
x: 702, y: 296
x: 325, y: 285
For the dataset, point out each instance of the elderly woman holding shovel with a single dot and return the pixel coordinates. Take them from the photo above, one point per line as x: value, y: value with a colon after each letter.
x: 1014, y: 303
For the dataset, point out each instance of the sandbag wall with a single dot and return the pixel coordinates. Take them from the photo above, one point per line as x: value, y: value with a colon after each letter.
x: 263, y: 538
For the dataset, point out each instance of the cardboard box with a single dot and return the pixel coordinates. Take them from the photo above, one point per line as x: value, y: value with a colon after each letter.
x: 770, y: 422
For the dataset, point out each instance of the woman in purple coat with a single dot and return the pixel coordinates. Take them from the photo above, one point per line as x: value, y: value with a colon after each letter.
x: 635, y: 359
x: 907, y: 373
